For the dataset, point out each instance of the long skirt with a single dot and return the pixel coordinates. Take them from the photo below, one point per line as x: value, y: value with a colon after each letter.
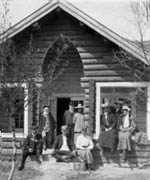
x: 86, y: 155
x: 124, y: 141
x: 107, y: 139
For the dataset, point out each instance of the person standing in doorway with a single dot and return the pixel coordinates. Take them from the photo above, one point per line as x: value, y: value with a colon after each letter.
x: 47, y: 127
x: 79, y: 122
x: 68, y: 120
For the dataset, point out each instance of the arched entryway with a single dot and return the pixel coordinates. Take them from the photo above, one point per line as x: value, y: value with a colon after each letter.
x: 62, y: 67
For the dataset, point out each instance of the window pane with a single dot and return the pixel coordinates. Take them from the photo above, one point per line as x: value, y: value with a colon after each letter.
x: 135, y: 98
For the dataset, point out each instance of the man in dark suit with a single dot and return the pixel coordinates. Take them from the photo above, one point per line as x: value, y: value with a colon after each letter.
x: 47, y: 127
x: 68, y: 120
x: 63, y: 146
x: 33, y: 145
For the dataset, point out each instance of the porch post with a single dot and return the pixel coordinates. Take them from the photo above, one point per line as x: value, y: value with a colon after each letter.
x: 98, y: 111
x: 148, y: 112
x: 26, y: 110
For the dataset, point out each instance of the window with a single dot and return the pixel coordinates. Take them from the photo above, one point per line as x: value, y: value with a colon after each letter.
x: 76, y: 101
x: 134, y: 94
x: 132, y: 97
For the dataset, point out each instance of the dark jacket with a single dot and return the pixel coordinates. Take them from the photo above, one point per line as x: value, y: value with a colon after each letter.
x: 68, y: 118
x: 42, y: 121
x: 59, y: 141
x: 33, y: 142
x: 111, y: 122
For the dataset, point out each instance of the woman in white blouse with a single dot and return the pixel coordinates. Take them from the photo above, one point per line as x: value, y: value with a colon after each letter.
x: 84, y: 145
x: 126, y: 128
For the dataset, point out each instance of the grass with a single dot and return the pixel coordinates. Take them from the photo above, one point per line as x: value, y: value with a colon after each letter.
x: 27, y: 174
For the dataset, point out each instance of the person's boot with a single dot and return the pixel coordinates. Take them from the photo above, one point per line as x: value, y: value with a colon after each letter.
x: 90, y: 167
x: 85, y: 168
x: 21, y: 168
x: 124, y: 156
x: 39, y: 159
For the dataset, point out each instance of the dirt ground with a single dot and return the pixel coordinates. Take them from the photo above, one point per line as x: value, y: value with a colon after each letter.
x: 50, y: 170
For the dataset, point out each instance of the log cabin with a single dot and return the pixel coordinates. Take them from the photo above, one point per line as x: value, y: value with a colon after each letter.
x: 92, y: 76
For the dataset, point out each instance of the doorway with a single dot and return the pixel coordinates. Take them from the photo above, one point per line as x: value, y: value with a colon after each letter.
x: 62, y: 105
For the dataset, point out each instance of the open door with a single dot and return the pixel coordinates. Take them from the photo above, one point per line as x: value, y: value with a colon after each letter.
x: 62, y: 105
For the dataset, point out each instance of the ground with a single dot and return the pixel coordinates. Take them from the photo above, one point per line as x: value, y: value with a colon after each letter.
x: 50, y: 170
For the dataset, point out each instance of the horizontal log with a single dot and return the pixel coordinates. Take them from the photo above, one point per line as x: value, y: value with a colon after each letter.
x: 99, y: 56
x: 85, y: 85
x: 102, y: 66
x: 86, y: 103
x: 94, y: 49
x: 106, y: 79
x: 87, y: 96
x: 90, y: 61
x: 87, y: 91
x: 86, y: 110
x: 77, y: 41
x: 57, y: 33
x: 106, y: 73
x: 87, y: 117
x: 61, y: 27
x: 82, y: 51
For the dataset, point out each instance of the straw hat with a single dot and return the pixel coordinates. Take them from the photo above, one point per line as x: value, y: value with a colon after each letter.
x: 64, y: 128
x: 119, y: 102
x: 106, y: 104
x: 126, y: 108
x: 34, y: 127
x: 79, y: 106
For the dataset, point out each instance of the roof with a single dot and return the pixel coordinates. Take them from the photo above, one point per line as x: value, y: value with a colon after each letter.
x: 146, y: 45
x: 82, y: 17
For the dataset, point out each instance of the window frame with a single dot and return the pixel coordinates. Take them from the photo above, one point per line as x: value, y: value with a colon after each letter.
x: 100, y: 85
x: 26, y: 111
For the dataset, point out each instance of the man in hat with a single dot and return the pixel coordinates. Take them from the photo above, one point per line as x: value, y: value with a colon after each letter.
x: 79, y: 121
x: 32, y: 146
x: 118, y: 106
x: 84, y: 146
x: 68, y: 119
x: 47, y: 127
x: 63, y: 146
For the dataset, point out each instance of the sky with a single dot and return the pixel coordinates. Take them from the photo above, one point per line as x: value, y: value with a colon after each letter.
x: 114, y: 14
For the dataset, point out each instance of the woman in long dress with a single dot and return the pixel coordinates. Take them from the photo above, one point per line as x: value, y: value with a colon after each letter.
x: 107, y: 138
x: 126, y: 128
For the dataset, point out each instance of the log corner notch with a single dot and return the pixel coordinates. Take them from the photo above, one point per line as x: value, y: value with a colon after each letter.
x: 92, y: 107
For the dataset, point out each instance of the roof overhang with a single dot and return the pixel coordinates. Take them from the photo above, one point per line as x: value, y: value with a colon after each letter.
x: 82, y: 17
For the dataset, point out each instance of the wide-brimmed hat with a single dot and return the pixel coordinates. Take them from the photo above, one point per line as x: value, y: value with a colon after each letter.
x: 46, y: 106
x: 79, y: 106
x: 106, y: 104
x: 119, y: 102
x: 34, y: 127
x: 126, y: 108
x: 64, y: 128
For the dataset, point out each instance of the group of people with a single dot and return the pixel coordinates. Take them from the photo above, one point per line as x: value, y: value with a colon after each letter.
x: 72, y: 142
x: 117, y: 127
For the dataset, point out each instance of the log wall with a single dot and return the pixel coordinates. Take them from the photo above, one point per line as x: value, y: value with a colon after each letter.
x: 93, y: 61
